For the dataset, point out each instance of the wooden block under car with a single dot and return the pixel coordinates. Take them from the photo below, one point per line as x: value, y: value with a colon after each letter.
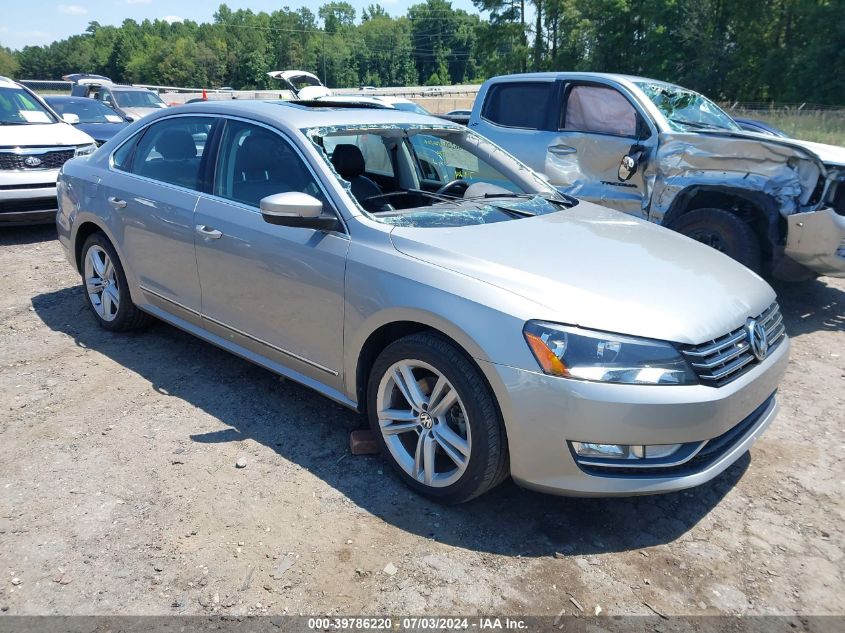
x: 363, y: 442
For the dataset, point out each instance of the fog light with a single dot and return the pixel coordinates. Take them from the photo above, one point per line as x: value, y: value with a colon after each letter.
x: 613, y: 451
x: 624, y: 451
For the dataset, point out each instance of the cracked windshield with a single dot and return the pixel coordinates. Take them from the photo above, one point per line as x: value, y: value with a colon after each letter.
x: 434, y: 178
x: 687, y: 110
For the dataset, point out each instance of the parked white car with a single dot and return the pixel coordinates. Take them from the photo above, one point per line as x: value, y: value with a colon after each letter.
x: 34, y: 144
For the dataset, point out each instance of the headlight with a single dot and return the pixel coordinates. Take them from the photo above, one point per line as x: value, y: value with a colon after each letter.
x: 572, y: 352
x: 85, y: 150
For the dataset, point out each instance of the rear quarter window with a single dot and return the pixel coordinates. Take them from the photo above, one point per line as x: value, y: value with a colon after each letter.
x: 520, y: 104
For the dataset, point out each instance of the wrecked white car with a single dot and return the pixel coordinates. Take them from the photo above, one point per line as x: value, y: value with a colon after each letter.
x: 671, y: 156
x: 301, y: 84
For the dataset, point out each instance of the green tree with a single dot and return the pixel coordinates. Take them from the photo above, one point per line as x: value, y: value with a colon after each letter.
x: 8, y: 62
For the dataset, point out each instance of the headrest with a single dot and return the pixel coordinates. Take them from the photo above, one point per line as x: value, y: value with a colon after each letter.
x: 176, y: 145
x: 262, y: 154
x: 348, y: 161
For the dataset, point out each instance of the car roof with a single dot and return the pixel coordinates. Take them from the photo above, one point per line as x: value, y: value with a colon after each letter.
x: 617, y: 77
x: 388, y: 100
x: 116, y: 88
x: 67, y: 99
x: 5, y: 82
x: 290, y: 115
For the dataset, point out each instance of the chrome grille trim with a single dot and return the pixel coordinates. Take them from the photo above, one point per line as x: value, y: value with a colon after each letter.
x: 726, y: 358
x: 12, y: 159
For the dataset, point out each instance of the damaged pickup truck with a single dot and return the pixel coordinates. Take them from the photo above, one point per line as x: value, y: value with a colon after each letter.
x: 670, y: 155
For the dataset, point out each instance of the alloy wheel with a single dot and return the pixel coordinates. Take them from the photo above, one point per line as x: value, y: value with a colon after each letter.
x: 101, y: 283
x: 424, y: 423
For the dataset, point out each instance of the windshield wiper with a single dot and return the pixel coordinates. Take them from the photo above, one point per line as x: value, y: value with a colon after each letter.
x: 697, y: 124
x: 405, y: 192
x: 14, y: 122
x: 567, y: 202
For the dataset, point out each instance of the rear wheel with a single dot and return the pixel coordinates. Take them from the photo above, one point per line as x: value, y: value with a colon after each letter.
x: 725, y: 232
x: 435, y: 419
x: 105, y: 287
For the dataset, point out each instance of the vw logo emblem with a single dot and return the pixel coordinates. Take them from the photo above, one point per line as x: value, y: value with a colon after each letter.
x: 426, y: 420
x: 32, y: 161
x: 757, y: 339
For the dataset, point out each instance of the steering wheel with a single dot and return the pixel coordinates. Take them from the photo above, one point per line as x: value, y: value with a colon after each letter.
x: 457, y: 184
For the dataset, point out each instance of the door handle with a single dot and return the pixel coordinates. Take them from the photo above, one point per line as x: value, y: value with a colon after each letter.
x: 562, y: 150
x: 209, y: 233
x: 117, y: 203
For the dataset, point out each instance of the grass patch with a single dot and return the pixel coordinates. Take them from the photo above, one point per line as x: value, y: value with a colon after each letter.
x: 821, y: 126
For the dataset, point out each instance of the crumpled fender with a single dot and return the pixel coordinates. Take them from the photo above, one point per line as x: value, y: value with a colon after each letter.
x: 786, y: 173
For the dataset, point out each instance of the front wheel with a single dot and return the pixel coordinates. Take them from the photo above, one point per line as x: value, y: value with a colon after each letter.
x: 435, y: 419
x: 725, y: 232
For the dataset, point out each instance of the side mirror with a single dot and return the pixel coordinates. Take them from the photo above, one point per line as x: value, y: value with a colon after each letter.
x: 630, y: 162
x: 69, y: 117
x: 627, y: 168
x: 298, y: 210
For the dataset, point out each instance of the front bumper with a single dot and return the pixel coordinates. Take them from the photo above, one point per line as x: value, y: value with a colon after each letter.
x: 817, y: 240
x: 543, y: 414
x: 28, y: 197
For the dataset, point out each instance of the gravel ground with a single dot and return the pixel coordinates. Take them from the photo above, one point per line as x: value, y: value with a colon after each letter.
x: 119, y: 491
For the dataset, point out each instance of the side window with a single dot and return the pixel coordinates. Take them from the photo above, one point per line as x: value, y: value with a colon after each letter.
x: 123, y: 155
x: 255, y: 162
x: 376, y: 158
x: 171, y: 151
x: 522, y: 104
x: 441, y: 161
x: 599, y: 110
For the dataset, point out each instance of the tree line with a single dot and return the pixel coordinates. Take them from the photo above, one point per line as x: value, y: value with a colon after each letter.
x: 749, y: 50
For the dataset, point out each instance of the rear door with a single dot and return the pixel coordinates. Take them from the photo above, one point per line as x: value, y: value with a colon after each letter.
x: 517, y: 116
x: 151, y: 195
x: 596, y: 128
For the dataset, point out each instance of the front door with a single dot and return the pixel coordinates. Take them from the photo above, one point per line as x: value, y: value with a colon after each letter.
x: 277, y: 291
x: 598, y: 126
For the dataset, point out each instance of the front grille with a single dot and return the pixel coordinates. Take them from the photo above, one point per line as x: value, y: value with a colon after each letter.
x: 30, y: 204
x: 50, y: 159
x: 728, y: 357
x: 711, y: 451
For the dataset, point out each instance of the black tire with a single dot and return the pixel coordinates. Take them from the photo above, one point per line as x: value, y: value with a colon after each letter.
x: 488, y: 462
x: 128, y: 316
x: 723, y: 231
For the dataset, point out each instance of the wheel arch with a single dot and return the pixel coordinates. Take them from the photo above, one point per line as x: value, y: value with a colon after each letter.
x: 759, y: 209
x: 83, y: 232
x: 388, y: 330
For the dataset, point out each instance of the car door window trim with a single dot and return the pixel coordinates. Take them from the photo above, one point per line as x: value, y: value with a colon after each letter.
x: 491, y: 94
x: 248, y: 207
x: 136, y: 138
x: 564, y: 102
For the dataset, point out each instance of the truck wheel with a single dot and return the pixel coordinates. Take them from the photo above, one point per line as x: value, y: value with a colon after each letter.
x: 723, y: 231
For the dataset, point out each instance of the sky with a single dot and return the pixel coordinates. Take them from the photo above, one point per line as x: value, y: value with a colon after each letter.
x: 35, y: 22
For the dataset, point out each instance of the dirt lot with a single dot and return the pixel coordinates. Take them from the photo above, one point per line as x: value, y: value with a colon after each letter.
x: 119, y: 491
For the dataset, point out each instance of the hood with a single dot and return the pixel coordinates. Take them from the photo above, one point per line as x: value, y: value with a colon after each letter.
x: 139, y: 113
x: 829, y: 154
x: 101, y: 132
x: 43, y: 135
x: 600, y: 269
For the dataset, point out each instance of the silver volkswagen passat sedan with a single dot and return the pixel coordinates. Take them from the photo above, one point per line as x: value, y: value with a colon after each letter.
x: 410, y: 269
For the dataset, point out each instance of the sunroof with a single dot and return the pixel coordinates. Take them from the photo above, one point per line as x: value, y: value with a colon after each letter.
x: 328, y: 103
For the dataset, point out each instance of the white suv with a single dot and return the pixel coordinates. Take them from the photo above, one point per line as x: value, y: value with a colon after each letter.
x: 34, y: 144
